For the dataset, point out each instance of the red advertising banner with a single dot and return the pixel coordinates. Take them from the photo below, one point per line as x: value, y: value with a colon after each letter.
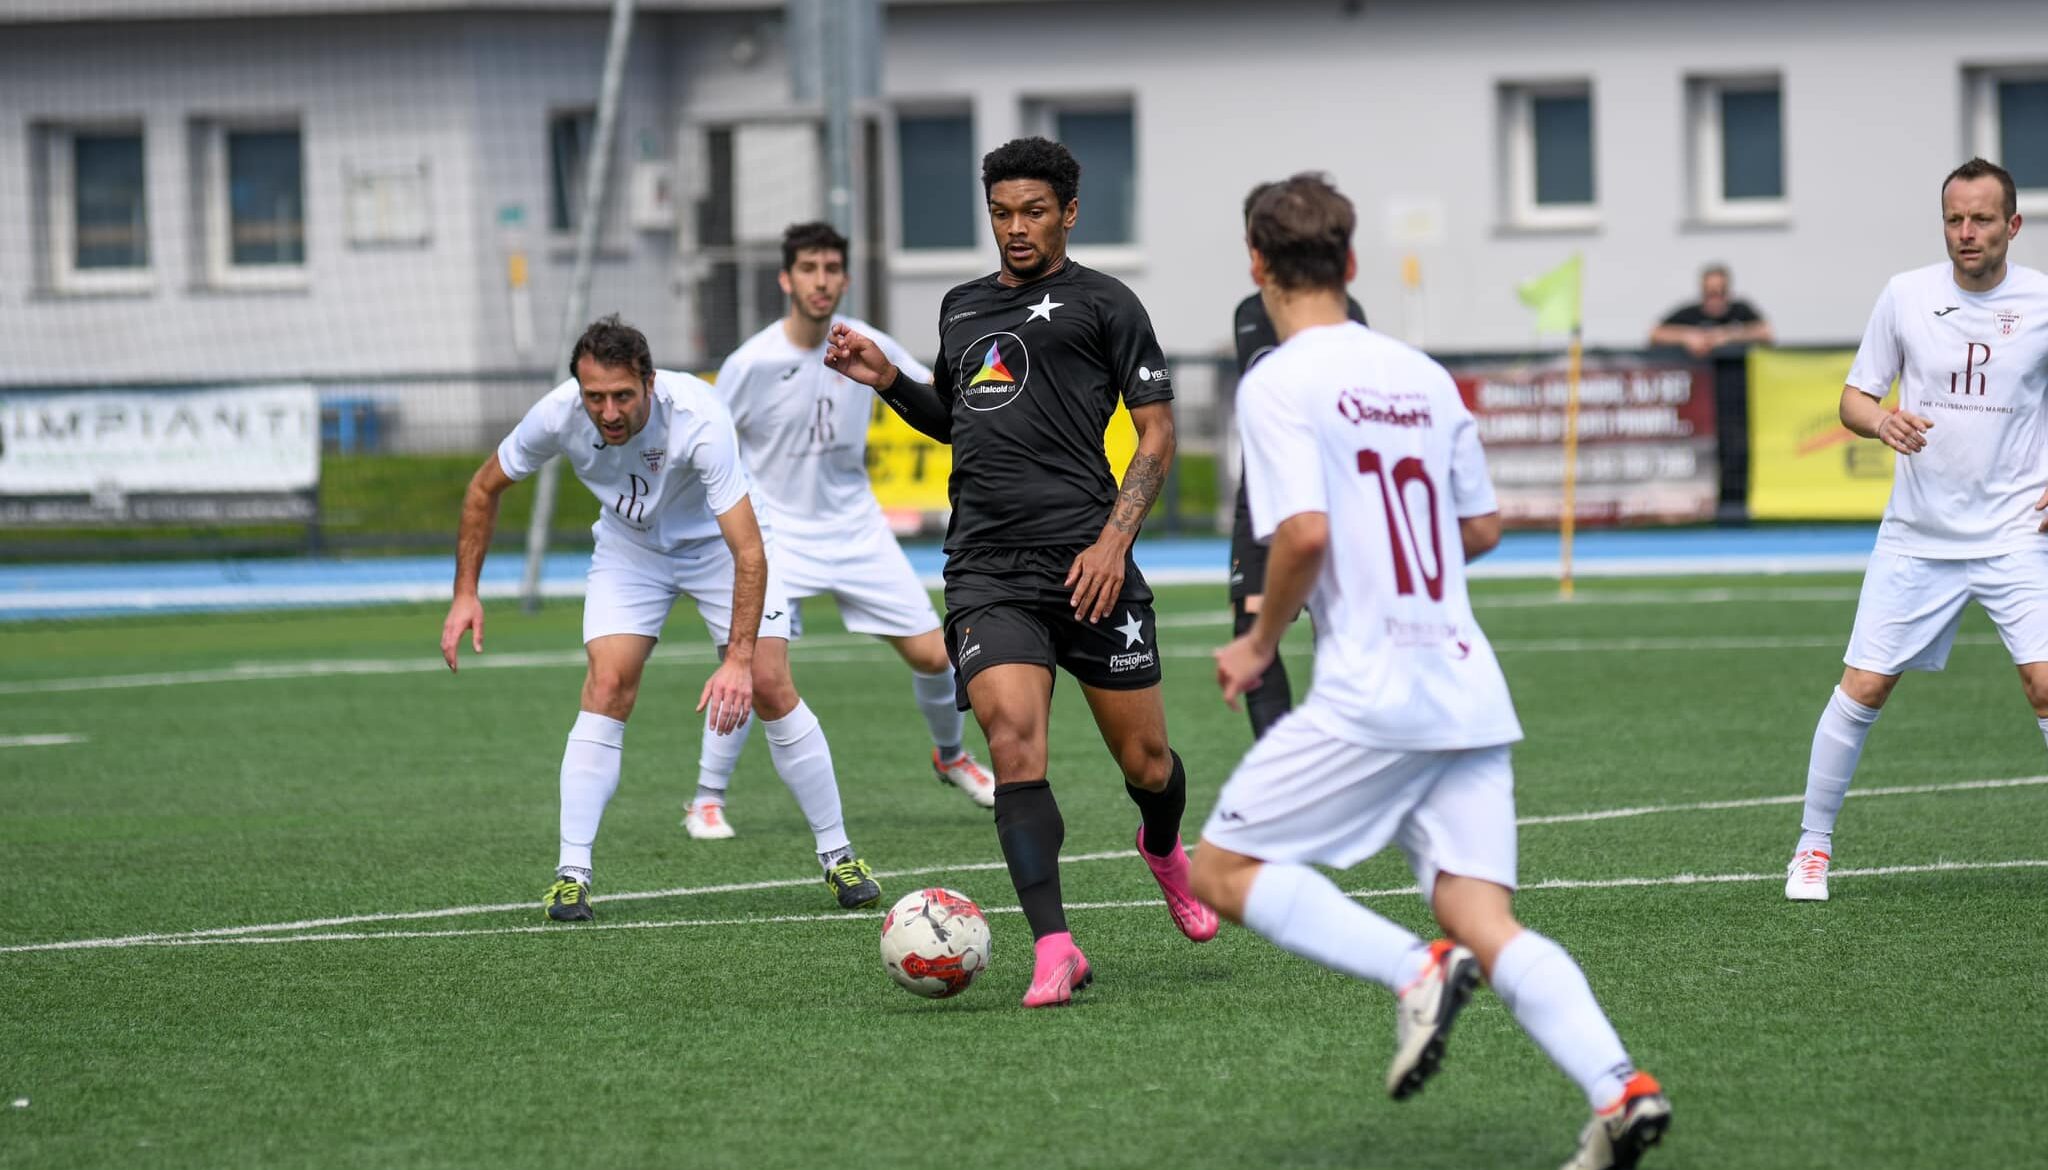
x: 1647, y: 452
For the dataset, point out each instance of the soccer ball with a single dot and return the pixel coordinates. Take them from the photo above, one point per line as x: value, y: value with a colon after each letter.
x: 934, y: 942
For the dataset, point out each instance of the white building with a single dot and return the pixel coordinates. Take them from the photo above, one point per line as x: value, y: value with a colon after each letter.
x: 341, y: 189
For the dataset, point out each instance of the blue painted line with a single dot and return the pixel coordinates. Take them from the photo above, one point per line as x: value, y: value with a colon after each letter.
x: 51, y: 591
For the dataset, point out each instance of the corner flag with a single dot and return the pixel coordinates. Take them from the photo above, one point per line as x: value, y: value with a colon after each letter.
x: 1555, y: 297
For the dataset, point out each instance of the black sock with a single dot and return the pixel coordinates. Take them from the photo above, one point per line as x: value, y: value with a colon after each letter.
x: 1162, y: 810
x: 1273, y: 697
x: 1029, y: 827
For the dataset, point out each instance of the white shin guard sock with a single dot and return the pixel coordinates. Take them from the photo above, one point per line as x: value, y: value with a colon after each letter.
x: 936, y: 698
x: 804, y: 761
x: 1300, y: 911
x: 1550, y: 998
x: 1837, y: 745
x: 590, y: 774
x: 2043, y: 721
x: 720, y: 754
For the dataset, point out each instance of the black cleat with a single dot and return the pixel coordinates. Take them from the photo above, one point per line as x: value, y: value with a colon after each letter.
x: 854, y: 884
x: 568, y: 900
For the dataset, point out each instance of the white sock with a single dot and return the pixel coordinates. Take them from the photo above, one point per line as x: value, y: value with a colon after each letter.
x: 804, y: 761
x: 1837, y: 745
x: 1551, y: 1000
x: 935, y: 697
x: 2044, y: 727
x: 717, y: 756
x: 1300, y: 911
x: 590, y: 774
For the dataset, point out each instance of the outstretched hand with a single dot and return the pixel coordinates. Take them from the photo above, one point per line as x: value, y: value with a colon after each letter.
x: 858, y: 357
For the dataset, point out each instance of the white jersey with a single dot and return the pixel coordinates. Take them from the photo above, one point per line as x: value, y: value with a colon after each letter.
x: 803, y: 430
x: 1346, y: 422
x: 664, y: 488
x: 1976, y: 364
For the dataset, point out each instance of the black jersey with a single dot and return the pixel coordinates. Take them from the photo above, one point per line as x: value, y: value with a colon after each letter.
x: 1033, y: 374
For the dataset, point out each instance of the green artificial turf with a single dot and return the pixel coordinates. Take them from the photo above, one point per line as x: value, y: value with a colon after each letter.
x: 264, y: 770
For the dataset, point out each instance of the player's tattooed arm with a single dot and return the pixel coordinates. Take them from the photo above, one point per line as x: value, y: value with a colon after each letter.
x: 1097, y: 574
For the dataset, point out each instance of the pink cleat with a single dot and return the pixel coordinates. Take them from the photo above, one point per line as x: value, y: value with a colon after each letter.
x: 1195, y: 920
x: 1058, y: 971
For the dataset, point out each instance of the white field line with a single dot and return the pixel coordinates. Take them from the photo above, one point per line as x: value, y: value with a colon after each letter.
x: 823, y: 652
x: 232, y: 932
x: 1680, y: 879
x: 52, y: 740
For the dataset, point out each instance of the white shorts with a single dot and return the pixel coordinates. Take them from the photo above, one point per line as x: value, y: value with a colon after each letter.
x: 631, y: 589
x: 1302, y: 795
x: 877, y: 590
x: 1907, y: 615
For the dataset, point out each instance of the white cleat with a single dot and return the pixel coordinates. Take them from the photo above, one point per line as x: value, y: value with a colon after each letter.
x: 1617, y: 1137
x: 1427, y: 1009
x: 967, y: 774
x: 706, y: 821
x: 1806, y: 879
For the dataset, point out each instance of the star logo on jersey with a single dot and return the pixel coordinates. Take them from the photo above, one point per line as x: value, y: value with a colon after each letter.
x: 1132, y: 630
x: 1042, y: 311
x: 993, y: 369
x: 652, y: 457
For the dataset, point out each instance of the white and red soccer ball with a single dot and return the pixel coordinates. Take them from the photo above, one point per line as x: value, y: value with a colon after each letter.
x: 934, y: 942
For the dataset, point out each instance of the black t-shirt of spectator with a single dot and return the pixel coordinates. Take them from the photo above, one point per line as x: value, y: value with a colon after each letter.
x: 1034, y: 374
x: 1738, y: 313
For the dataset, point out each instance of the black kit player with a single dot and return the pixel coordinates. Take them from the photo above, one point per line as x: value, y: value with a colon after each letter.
x: 1272, y: 696
x: 1032, y: 361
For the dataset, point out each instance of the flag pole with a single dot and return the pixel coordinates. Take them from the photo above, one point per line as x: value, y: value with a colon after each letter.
x: 1568, y: 520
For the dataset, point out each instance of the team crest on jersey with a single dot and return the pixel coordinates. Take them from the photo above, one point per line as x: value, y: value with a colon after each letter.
x: 652, y: 457
x: 993, y: 371
x: 2007, y: 322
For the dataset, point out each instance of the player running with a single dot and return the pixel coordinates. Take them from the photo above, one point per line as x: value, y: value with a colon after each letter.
x: 1968, y: 343
x: 1032, y: 360
x: 1367, y: 477
x: 658, y: 452
x: 803, y: 433
x: 1273, y: 695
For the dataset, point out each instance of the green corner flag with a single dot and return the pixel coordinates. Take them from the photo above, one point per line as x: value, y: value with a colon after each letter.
x: 1555, y: 297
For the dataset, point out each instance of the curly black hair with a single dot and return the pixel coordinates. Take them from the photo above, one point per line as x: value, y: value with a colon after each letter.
x: 805, y: 237
x: 611, y: 342
x: 1033, y: 158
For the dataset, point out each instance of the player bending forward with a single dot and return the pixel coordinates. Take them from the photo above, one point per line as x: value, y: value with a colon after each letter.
x: 1367, y: 478
x: 1032, y: 360
x: 1968, y: 343
x: 803, y: 432
x: 658, y: 452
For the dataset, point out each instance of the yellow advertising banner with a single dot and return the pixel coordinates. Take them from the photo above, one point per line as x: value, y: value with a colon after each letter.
x: 1803, y: 463
x: 909, y: 471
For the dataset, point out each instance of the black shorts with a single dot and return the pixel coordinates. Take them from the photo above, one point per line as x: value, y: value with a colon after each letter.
x: 1247, y: 556
x: 1006, y: 605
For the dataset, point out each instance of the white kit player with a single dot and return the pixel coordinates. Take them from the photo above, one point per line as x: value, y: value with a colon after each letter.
x: 1367, y: 479
x: 1967, y: 341
x: 657, y: 450
x: 803, y: 433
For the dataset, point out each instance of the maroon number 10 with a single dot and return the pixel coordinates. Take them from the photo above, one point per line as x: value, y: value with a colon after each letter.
x: 1394, y: 488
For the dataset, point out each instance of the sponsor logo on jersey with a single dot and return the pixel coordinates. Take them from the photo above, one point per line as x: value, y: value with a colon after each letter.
x: 1947, y: 311
x: 652, y: 457
x: 2007, y: 322
x: 1152, y: 377
x: 1003, y: 370
x: 1357, y: 409
x: 1136, y: 660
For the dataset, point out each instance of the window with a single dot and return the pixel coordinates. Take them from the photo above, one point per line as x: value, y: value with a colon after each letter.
x: 255, y: 200
x: 1548, y: 149
x: 1104, y: 139
x: 1738, y: 155
x: 98, y: 210
x: 2009, y: 108
x: 937, y: 181
x: 570, y: 135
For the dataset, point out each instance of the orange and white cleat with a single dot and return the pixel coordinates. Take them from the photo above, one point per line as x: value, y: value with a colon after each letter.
x: 1617, y: 1136
x: 1428, y: 1007
x: 706, y: 821
x: 1806, y: 879
x: 966, y: 773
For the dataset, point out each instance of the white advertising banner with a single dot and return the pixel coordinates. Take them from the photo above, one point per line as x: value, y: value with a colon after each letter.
x: 123, y: 442
x: 219, y: 455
